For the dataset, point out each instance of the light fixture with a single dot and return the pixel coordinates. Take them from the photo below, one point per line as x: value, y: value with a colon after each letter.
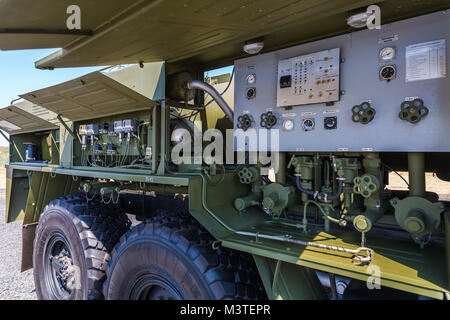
x: 359, y: 20
x: 253, y: 47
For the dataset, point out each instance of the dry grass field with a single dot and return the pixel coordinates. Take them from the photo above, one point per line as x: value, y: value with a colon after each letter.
x: 433, y: 184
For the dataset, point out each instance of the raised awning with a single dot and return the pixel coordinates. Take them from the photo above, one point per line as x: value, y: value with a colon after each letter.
x: 31, y: 24
x: 92, y: 96
x: 15, y: 120
x: 204, y: 32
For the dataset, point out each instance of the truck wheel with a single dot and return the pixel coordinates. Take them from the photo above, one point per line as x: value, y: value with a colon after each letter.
x: 72, y: 247
x: 169, y: 258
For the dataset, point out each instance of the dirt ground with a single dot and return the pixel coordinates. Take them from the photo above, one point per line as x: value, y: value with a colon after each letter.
x: 14, y: 285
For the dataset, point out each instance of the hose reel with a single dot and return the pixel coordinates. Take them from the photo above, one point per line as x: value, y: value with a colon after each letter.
x: 413, y: 111
x: 244, y: 122
x: 268, y: 120
x: 363, y: 113
x: 365, y: 185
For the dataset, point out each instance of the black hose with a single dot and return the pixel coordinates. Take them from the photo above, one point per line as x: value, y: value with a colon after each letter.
x: 312, y: 193
x: 315, y: 193
x: 197, y: 84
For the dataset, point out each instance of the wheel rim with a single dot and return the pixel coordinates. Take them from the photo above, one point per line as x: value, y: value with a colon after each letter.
x: 154, y: 287
x: 59, y: 268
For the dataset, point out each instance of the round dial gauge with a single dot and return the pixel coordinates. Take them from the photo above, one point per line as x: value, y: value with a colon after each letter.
x: 288, y: 125
x: 387, y: 73
x: 251, y: 78
x: 387, y: 54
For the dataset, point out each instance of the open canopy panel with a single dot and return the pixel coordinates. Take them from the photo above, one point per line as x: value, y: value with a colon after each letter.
x: 15, y: 120
x: 91, y: 96
x: 207, y: 33
x: 31, y: 24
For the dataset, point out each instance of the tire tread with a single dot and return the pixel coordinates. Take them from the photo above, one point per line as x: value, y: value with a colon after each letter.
x: 99, y: 228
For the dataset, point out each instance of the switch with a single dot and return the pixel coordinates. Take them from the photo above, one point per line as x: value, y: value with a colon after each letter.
x: 286, y: 81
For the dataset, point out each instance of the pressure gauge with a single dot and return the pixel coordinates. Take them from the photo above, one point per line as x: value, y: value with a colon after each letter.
x: 387, y: 54
x: 288, y: 125
x: 388, y: 73
x: 251, y: 78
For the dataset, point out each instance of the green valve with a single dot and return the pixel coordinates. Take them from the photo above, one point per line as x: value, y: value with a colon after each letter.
x: 270, y: 200
x: 415, y: 222
x: 243, y: 203
x: 361, y: 223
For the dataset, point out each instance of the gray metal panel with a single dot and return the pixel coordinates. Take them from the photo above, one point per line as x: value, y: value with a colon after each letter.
x: 14, y: 120
x: 91, y: 96
x: 360, y: 82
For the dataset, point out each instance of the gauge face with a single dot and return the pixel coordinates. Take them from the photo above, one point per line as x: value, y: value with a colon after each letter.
x: 251, y: 78
x: 288, y: 125
x: 387, y: 54
x: 387, y: 73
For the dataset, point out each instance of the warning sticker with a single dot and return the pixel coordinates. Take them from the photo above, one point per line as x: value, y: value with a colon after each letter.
x: 426, y: 60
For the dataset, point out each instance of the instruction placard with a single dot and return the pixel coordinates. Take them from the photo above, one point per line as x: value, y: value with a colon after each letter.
x: 426, y: 60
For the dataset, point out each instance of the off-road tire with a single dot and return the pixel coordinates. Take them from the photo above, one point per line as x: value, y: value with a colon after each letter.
x: 177, y: 251
x: 91, y: 230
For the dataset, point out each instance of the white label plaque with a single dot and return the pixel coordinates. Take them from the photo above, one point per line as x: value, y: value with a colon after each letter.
x: 426, y: 60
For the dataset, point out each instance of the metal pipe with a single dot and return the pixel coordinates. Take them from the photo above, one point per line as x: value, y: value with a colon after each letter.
x: 334, y: 293
x: 197, y: 84
x: 416, y: 172
x: 4, y: 136
x: 60, y: 119
x: 280, y: 175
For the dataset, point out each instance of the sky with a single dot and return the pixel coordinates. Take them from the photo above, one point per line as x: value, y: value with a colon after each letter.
x: 18, y: 75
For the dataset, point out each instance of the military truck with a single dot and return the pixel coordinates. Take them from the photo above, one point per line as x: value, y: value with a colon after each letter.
x: 322, y: 115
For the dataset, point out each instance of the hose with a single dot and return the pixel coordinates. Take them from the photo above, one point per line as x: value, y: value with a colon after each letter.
x: 197, y: 84
x: 226, y: 89
x: 316, y: 193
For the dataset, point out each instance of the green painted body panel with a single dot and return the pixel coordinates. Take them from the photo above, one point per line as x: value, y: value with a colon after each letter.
x: 28, y: 192
x: 16, y: 194
x: 116, y: 174
x: 281, y: 280
x: 403, y: 264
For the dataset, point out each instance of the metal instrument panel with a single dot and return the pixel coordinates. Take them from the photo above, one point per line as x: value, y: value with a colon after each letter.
x: 360, y: 81
x: 313, y: 78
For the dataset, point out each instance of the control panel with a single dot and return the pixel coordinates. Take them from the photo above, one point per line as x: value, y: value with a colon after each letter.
x: 115, y: 142
x: 312, y: 78
x: 371, y: 90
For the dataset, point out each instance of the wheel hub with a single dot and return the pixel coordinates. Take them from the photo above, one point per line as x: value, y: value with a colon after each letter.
x: 59, y: 268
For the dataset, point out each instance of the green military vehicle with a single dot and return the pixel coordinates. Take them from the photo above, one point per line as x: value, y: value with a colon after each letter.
x: 283, y: 195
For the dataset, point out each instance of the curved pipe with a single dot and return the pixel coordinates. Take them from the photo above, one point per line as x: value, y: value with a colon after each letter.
x: 197, y: 84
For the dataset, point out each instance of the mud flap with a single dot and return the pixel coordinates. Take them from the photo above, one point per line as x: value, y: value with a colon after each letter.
x: 28, y: 232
